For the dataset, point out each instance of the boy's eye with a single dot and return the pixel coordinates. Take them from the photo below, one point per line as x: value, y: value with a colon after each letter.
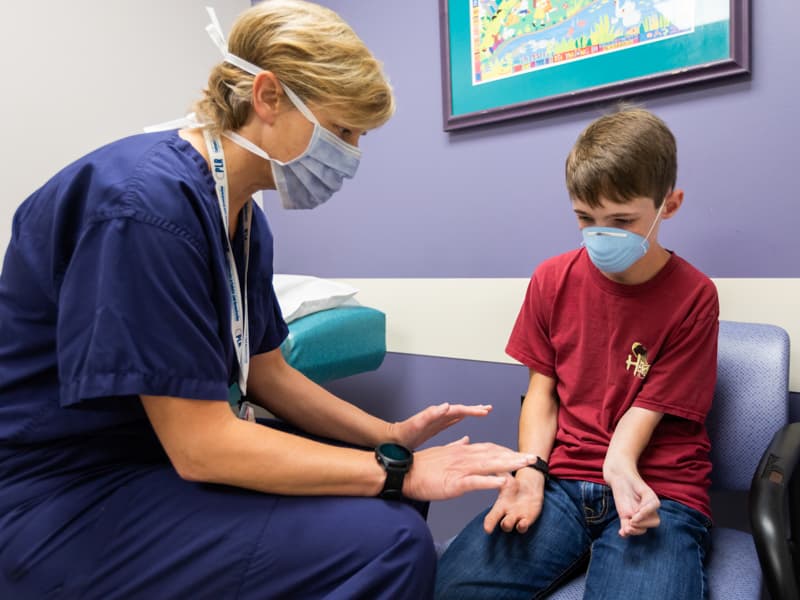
x: 623, y: 222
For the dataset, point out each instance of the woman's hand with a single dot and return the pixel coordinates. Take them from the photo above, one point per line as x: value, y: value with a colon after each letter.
x: 444, y: 472
x: 518, y: 504
x: 419, y: 428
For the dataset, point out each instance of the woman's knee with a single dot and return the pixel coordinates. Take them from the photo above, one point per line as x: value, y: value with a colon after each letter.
x: 345, y: 548
x: 409, y: 535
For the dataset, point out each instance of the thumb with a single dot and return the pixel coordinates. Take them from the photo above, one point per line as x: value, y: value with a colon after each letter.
x: 462, y: 442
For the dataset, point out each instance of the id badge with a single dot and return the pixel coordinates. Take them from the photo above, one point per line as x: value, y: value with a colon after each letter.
x: 247, y: 412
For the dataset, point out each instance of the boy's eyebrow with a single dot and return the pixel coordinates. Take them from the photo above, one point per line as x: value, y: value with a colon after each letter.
x: 626, y: 215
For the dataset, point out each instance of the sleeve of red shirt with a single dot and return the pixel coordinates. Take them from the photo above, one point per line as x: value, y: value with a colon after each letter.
x: 681, y: 380
x: 530, y: 340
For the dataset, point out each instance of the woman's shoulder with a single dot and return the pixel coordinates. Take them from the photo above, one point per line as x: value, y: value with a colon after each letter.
x: 155, y: 178
x: 147, y: 180
x: 152, y: 172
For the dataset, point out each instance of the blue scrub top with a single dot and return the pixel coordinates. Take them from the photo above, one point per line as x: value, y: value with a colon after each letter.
x: 114, y: 285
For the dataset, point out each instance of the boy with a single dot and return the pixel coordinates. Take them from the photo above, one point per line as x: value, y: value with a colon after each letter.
x: 620, y: 337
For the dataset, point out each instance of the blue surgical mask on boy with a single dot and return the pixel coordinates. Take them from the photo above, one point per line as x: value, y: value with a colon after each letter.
x: 310, y: 179
x: 614, y: 250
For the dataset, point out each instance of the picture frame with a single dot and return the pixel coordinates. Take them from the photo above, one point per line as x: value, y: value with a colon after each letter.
x: 503, y: 59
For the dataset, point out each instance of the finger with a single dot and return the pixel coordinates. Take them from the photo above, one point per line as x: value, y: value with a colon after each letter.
x: 646, y: 522
x: 650, y: 507
x: 630, y: 531
x: 648, y: 513
x: 486, y: 459
x: 432, y: 413
x: 472, y: 483
x: 492, y: 518
x: 522, y: 525
x: 508, y: 523
x: 472, y: 410
x: 463, y: 441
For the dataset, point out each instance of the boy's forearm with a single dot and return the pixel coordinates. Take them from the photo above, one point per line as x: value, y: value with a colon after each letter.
x: 630, y: 438
x: 539, y: 417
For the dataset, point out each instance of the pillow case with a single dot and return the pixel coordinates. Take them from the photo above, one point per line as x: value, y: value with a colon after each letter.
x: 301, y: 295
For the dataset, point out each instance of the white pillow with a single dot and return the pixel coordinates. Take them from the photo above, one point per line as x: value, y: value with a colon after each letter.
x: 301, y: 295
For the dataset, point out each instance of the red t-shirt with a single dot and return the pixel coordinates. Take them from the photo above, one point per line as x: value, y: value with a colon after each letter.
x: 611, y: 346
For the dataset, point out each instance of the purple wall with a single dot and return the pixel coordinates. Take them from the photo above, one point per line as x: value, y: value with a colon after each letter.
x: 490, y: 202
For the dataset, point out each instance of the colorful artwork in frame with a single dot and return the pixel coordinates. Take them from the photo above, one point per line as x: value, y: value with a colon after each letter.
x: 503, y: 59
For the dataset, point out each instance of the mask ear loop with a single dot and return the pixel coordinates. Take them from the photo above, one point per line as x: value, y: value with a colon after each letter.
x: 189, y: 121
x: 658, y: 214
x: 214, y: 31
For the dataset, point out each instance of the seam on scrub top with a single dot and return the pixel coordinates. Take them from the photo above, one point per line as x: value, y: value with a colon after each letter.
x: 152, y: 220
x: 143, y: 376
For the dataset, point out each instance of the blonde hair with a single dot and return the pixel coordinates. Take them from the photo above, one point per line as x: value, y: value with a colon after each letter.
x: 628, y: 154
x: 310, y: 49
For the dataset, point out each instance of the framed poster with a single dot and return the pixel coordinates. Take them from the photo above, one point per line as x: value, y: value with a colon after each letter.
x: 503, y: 59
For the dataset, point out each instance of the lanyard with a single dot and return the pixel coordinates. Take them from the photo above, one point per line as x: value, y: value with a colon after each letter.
x: 240, y: 331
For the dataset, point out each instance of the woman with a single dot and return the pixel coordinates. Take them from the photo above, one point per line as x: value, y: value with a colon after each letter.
x: 136, y: 289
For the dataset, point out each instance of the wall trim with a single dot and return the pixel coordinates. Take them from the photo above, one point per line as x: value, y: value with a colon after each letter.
x: 471, y: 318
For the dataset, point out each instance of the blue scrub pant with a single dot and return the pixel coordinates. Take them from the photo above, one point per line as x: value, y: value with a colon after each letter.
x: 158, y: 536
x: 579, y: 524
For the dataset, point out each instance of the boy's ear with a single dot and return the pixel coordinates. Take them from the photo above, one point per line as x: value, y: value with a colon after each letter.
x: 672, y: 203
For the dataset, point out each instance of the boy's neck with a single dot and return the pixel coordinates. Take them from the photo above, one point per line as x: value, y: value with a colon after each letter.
x: 643, y: 269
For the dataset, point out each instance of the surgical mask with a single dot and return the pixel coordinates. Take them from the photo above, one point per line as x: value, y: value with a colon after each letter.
x: 614, y: 250
x: 312, y: 178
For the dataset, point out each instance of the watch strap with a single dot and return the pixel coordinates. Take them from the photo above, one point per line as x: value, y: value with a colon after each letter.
x: 396, y: 461
x: 541, y: 466
x: 393, y: 486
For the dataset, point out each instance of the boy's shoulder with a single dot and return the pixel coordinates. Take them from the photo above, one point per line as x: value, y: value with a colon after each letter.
x: 557, y: 265
x: 691, y: 276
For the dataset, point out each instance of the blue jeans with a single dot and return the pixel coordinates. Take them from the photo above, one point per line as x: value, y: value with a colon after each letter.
x: 579, y: 525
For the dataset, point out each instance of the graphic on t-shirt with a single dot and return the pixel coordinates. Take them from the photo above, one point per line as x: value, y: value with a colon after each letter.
x: 638, y: 360
x: 512, y: 37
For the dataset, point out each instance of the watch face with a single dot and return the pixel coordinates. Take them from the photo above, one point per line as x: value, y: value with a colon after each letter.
x: 395, y: 452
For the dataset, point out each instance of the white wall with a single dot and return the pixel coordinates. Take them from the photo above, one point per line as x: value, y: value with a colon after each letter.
x: 471, y: 319
x: 79, y: 73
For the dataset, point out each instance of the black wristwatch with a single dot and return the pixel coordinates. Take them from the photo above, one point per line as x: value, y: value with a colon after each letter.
x: 396, y: 461
x: 541, y: 466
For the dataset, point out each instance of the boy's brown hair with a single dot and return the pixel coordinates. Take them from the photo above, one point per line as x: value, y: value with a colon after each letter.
x: 627, y: 154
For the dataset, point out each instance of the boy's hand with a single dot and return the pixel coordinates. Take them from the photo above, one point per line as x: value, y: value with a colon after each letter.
x: 518, y: 503
x: 637, y: 504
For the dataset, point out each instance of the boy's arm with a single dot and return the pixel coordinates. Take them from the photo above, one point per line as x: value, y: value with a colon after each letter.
x: 636, y: 502
x: 520, y: 499
x: 538, y: 417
